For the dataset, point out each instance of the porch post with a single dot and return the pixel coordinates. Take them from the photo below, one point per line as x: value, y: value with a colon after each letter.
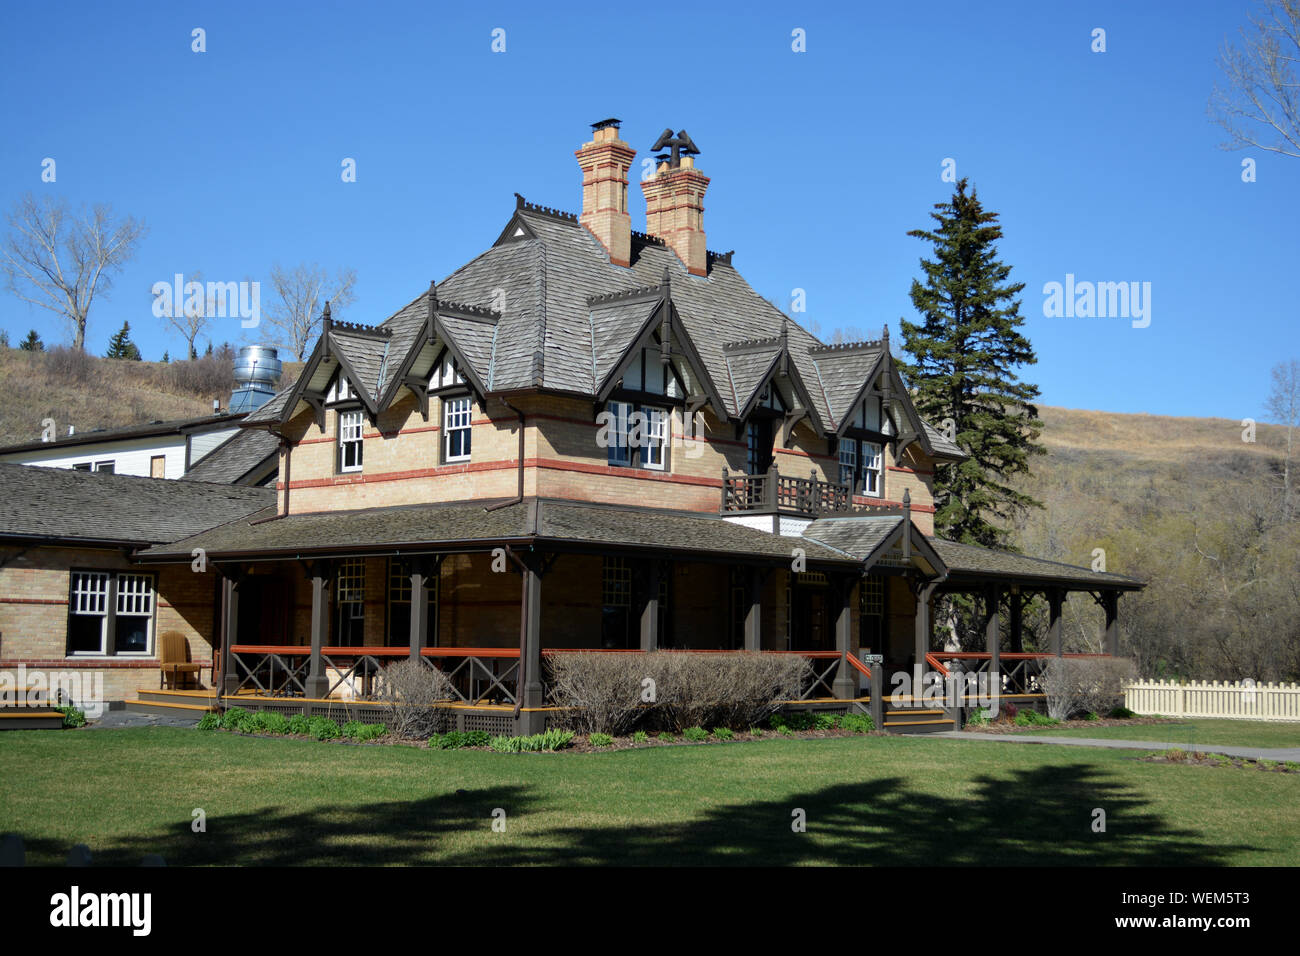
x: 1110, y: 602
x: 754, y: 611
x: 1016, y: 601
x: 993, y: 635
x: 532, y: 694
x: 230, y: 610
x: 845, y: 686
x: 922, y: 625
x: 650, y: 609
x: 317, y: 684
x: 419, y: 608
x: 1055, y: 599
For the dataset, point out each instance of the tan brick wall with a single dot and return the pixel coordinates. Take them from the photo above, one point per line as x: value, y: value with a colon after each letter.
x: 34, y: 614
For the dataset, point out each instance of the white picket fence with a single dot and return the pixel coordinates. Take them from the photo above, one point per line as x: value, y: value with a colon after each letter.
x: 1243, y: 700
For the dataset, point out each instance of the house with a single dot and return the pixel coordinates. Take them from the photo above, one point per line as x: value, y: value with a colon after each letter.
x: 591, y: 437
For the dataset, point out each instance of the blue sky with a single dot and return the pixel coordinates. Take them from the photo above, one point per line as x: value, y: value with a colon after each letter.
x: 1101, y: 165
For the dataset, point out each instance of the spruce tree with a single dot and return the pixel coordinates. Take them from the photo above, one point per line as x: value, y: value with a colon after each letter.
x: 965, y: 354
x: 32, y: 343
x: 120, y: 345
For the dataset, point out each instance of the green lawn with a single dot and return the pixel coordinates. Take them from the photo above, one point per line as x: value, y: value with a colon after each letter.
x: 867, y: 800
x: 1224, y: 733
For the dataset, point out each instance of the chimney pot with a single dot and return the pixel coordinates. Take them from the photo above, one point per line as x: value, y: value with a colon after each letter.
x: 605, y: 162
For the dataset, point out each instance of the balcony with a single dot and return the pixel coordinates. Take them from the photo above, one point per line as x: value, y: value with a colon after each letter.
x: 774, y: 493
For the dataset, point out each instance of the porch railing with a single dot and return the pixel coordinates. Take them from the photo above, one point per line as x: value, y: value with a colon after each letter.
x: 478, y: 675
x: 771, y: 491
x: 1021, y: 671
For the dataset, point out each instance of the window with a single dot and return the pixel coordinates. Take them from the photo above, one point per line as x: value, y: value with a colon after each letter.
x: 350, y: 597
x: 158, y: 466
x: 861, y: 467
x: 110, y: 613
x: 758, y: 445
x: 616, y: 603
x: 83, y: 466
x: 456, y: 424
x: 635, y: 436
x: 871, y: 615
x: 350, y: 443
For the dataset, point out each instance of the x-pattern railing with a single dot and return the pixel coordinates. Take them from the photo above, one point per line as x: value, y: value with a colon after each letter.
x: 259, y: 669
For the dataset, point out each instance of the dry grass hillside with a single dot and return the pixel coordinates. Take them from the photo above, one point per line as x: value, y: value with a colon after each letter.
x: 88, y: 392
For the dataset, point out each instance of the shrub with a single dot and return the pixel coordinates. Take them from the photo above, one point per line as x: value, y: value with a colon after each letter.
x: 356, y: 730
x: 667, y: 736
x: 206, y: 375
x: 1084, y: 684
x: 690, y: 690
x: 270, y: 722
x: 413, y: 689
x: 857, y: 723
x: 299, y: 724
x: 1009, y: 711
x: 600, y: 740
x: 70, y: 366
x: 976, y: 717
x: 1032, y: 718
x: 72, y: 716
x: 756, y: 731
x: 695, y: 734
x: 723, y: 733
x: 322, y: 728
x: 209, y: 721
x: 640, y: 737
x: 1121, y: 713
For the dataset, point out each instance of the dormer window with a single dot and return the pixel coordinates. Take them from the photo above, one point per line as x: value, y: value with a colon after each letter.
x: 635, y: 436
x: 861, y: 467
x: 350, y: 442
x: 456, y: 427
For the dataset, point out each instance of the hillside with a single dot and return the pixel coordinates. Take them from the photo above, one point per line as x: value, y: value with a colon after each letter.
x: 88, y: 392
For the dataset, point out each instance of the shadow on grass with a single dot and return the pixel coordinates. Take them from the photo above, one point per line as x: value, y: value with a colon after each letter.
x: 1041, y: 816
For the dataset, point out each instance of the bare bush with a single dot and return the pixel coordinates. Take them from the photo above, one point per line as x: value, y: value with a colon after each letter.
x: 603, y: 689
x: 69, y: 366
x: 1084, y: 685
x: 212, y: 375
x: 672, y: 689
x: 414, y: 690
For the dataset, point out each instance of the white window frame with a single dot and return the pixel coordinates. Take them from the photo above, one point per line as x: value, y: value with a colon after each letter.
x: 136, y: 596
x: 619, y: 451
x: 849, y: 460
x: 460, y: 411
x: 654, y: 452
x: 873, y: 470
x: 351, y: 427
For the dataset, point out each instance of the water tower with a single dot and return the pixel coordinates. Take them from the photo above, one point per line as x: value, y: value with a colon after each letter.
x: 257, y: 372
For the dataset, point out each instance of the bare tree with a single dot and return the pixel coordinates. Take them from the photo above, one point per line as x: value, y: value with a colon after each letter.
x: 191, y: 319
x: 300, y: 294
x: 1283, y: 404
x: 1260, y: 105
x: 60, y: 260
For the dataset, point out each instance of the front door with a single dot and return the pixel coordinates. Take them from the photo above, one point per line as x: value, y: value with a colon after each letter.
x: 810, y: 615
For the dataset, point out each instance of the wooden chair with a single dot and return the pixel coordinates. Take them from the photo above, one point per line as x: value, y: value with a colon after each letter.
x: 174, y: 659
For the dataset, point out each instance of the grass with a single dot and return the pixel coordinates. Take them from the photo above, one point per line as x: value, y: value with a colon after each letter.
x: 868, y: 800
x: 1221, y: 733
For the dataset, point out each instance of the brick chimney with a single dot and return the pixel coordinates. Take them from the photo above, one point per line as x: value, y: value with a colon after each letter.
x: 605, y: 162
x: 674, y: 199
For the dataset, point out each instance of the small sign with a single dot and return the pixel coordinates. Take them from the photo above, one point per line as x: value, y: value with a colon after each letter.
x: 873, y: 658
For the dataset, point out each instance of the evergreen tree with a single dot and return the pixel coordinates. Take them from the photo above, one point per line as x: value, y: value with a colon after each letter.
x: 166, y: 358
x: 120, y: 345
x: 32, y: 343
x: 4, y: 338
x: 209, y: 351
x: 965, y: 354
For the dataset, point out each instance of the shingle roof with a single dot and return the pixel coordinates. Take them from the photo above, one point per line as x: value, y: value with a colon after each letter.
x: 418, y: 527
x: 858, y: 536
x: 233, y: 459
x: 177, y: 426
x: 985, y: 563
x: 58, y: 504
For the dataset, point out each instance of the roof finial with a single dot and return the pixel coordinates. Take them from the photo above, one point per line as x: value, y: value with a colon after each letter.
x: 519, y: 201
x: 325, y: 321
x: 884, y: 338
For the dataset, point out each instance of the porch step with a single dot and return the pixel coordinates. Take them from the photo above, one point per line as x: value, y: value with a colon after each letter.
x: 203, y: 697
x: 168, y: 708
x: 28, y: 718
x: 913, y: 717
x: 926, y: 726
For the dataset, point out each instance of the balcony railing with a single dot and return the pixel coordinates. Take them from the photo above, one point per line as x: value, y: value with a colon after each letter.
x: 772, y: 492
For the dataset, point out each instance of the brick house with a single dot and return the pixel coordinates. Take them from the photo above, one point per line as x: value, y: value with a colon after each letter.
x: 590, y: 437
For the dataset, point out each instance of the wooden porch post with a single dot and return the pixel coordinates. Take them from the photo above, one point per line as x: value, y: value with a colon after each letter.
x: 1055, y: 600
x: 845, y: 686
x: 650, y: 609
x: 754, y: 611
x: 993, y: 635
x: 1017, y: 606
x: 419, y: 608
x: 1110, y: 602
x: 230, y: 628
x: 923, y: 628
x: 532, y: 694
x: 317, y: 683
